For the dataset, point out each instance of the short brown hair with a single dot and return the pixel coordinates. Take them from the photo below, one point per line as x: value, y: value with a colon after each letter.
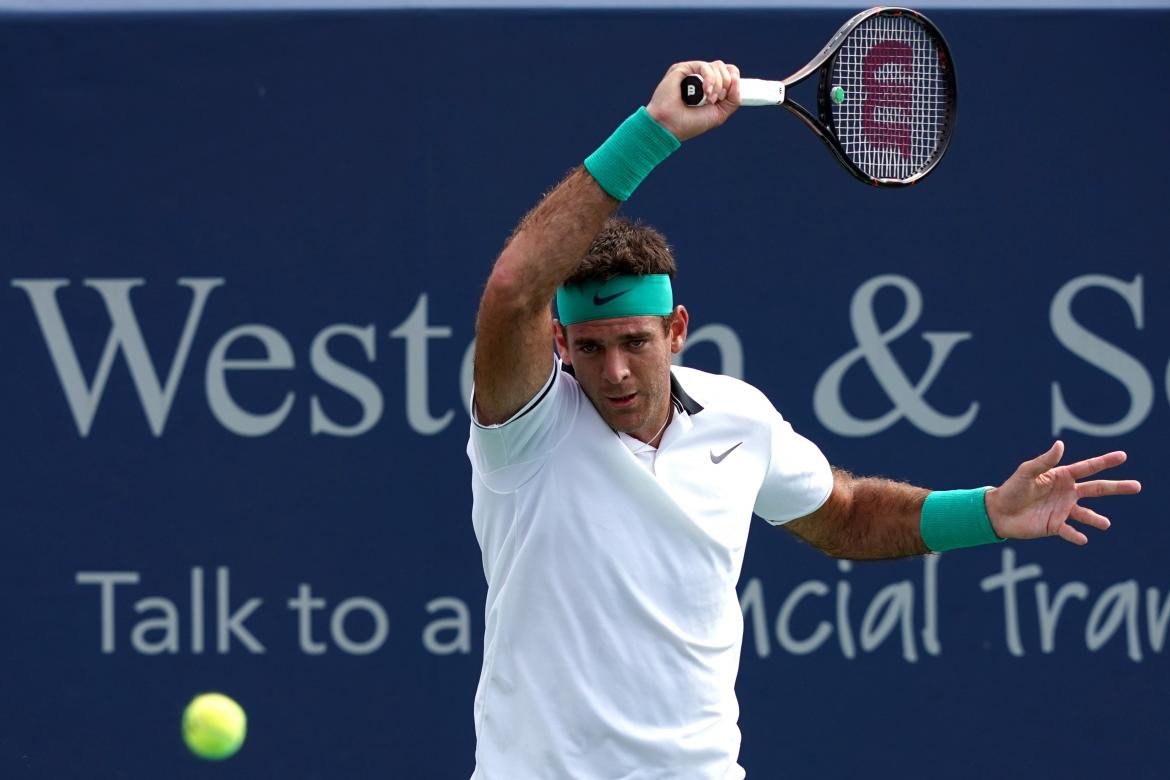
x: 625, y: 247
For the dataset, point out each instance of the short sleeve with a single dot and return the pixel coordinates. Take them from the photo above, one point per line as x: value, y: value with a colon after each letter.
x: 508, y: 454
x: 799, y: 478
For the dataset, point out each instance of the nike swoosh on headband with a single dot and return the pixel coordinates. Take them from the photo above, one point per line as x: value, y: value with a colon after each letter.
x: 602, y: 301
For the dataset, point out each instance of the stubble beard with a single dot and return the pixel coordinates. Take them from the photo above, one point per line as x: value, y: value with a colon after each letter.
x: 650, y: 401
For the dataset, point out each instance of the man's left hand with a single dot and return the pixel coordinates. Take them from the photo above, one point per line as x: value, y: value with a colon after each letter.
x: 1040, y: 497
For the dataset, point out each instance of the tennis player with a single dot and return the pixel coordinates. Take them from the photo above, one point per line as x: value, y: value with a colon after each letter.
x: 613, y: 492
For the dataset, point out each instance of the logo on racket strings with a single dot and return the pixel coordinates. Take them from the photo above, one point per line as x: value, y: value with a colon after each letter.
x: 887, y: 78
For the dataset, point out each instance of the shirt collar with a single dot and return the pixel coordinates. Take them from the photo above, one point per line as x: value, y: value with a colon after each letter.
x: 682, y: 402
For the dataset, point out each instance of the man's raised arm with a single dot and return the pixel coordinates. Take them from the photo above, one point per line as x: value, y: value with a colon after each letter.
x: 513, y: 348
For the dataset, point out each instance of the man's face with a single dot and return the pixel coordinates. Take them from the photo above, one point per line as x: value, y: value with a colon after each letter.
x: 623, y: 365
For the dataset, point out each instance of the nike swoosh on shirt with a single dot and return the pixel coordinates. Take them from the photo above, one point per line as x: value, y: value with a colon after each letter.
x: 601, y: 301
x: 719, y: 458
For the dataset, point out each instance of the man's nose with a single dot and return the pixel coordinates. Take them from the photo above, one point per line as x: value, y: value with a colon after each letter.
x: 616, y: 369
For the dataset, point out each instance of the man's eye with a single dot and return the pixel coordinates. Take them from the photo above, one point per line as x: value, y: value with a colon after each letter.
x: 636, y: 343
x: 588, y: 349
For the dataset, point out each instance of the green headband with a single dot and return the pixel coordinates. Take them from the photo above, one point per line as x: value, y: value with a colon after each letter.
x: 621, y: 296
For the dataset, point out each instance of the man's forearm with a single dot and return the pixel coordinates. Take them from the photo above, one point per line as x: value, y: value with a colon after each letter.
x: 886, y: 519
x: 866, y: 518
x: 552, y: 238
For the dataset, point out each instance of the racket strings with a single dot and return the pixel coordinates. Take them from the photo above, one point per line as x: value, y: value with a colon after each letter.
x: 897, y: 98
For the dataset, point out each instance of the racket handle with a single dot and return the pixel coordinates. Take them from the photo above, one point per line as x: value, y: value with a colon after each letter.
x: 752, y: 92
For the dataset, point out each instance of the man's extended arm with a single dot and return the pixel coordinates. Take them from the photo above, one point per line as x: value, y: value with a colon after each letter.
x: 513, y: 348
x: 878, y: 518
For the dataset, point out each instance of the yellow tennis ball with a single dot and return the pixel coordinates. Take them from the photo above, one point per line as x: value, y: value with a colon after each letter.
x: 214, y: 726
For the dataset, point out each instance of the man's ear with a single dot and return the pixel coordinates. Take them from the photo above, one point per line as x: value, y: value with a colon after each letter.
x: 678, y: 328
x: 561, y: 339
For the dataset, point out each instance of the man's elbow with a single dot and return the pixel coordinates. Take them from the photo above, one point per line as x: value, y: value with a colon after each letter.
x: 509, y: 293
x: 832, y: 528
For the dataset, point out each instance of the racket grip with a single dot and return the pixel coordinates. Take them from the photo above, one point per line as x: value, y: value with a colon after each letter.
x: 752, y: 92
x: 692, y: 90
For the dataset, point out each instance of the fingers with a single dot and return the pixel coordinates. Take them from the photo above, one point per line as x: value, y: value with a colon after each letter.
x: 712, y: 80
x: 685, y: 121
x: 1086, y: 516
x: 1090, y: 466
x: 1048, y: 460
x: 733, y: 91
x: 719, y: 79
x: 1108, y: 487
x: 1084, y: 468
x: 1070, y: 534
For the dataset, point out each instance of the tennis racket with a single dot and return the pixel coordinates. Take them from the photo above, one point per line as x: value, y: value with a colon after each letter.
x: 886, y: 101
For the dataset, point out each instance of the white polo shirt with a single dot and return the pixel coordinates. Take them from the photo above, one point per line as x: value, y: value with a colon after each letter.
x: 613, y: 626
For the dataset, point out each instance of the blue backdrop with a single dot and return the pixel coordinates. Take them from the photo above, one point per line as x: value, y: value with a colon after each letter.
x: 242, y: 256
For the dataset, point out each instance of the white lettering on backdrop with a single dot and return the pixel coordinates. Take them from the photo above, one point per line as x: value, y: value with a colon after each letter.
x: 156, y: 395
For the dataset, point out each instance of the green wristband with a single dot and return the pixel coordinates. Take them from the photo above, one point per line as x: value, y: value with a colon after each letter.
x: 628, y: 156
x: 956, y: 518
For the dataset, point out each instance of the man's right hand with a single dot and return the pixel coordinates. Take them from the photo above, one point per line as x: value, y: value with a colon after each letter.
x: 721, y: 82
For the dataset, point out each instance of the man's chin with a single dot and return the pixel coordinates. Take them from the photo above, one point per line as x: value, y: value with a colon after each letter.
x: 625, y: 425
x: 626, y: 422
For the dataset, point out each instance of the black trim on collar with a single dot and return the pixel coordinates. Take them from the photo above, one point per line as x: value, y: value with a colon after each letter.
x: 682, y: 401
x: 678, y: 396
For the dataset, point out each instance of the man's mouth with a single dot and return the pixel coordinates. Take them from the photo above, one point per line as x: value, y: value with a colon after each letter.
x: 621, y: 401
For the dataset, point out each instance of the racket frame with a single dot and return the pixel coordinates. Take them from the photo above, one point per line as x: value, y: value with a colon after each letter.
x: 759, y: 92
x: 825, y: 61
